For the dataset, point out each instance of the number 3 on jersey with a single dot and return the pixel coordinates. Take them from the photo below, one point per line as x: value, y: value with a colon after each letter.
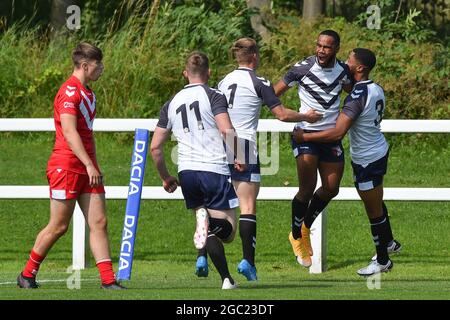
x: 184, y: 115
x: 379, y: 105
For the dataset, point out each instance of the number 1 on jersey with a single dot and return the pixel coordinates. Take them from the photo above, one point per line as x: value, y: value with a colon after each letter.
x: 233, y: 88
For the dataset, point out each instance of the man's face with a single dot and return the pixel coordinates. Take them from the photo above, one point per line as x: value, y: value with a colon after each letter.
x: 326, y: 50
x: 93, y: 69
x: 353, y: 64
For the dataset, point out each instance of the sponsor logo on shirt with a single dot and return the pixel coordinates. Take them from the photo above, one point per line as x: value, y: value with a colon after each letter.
x: 69, y: 105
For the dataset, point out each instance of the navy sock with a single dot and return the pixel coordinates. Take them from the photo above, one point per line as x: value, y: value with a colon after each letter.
x: 298, y: 214
x: 316, y: 206
x: 247, y: 231
x: 379, y: 230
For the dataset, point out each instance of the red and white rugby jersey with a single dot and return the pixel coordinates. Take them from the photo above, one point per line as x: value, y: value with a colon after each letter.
x: 73, y: 98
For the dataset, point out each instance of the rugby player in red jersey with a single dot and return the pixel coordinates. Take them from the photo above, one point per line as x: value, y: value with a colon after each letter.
x: 73, y: 172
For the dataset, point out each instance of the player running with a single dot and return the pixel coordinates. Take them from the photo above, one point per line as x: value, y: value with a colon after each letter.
x: 246, y: 93
x: 198, y: 115
x: 73, y: 172
x: 361, y: 116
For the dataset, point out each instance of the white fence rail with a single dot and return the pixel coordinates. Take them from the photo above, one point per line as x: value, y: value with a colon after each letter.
x: 265, y: 125
x: 266, y: 193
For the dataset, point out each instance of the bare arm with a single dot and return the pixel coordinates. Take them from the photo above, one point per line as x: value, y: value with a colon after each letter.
x: 229, y: 134
x: 343, y: 123
x: 71, y: 135
x: 348, y: 87
x: 280, y: 87
x: 160, y: 137
x: 288, y: 115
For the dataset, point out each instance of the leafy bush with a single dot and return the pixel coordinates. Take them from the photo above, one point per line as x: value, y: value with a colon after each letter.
x: 415, y: 76
x: 144, y: 57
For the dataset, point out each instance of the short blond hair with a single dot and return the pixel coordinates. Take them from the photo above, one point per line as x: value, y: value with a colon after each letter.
x: 243, y: 49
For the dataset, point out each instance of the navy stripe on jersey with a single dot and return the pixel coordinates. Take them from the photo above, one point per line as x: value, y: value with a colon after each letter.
x: 164, y: 115
x: 319, y: 99
x: 265, y: 91
x: 356, y: 101
x: 299, y: 70
x: 219, y: 103
x: 326, y: 87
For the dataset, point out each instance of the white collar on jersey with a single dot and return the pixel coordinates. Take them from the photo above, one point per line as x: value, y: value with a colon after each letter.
x: 194, y: 84
x: 364, y: 81
x: 244, y: 68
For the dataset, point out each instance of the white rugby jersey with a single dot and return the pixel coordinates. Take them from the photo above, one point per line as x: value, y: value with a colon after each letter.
x: 246, y: 93
x: 190, y: 116
x: 365, y: 105
x: 319, y: 89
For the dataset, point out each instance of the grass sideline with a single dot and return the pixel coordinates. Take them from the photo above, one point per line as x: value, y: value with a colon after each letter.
x: 165, y: 256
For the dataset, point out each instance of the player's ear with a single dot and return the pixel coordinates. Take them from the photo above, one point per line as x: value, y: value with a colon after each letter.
x: 185, y: 74
x: 209, y: 73
x: 84, y: 65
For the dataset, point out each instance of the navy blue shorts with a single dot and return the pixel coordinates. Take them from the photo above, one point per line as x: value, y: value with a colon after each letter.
x: 207, y: 189
x: 253, y: 171
x: 326, y: 152
x: 251, y: 174
x: 372, y: 175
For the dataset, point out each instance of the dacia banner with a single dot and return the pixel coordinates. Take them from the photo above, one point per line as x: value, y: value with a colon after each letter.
x: 138, y: 160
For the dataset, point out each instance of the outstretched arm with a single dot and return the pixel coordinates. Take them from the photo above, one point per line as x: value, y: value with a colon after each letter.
x: 287, y: 115
x: 280, y: 87
x: 343, y: 123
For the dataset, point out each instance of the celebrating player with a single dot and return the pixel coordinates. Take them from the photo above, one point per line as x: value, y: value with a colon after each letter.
x: 72, y: 171
x: 320, y: 80
x: 198, y: 115
x: 361, y: 116
x: 246, y: 92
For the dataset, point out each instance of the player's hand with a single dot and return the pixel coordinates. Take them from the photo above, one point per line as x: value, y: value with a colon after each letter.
x: 170, y: 184
x: 240, y: 166
x: 312, y: 116
x: 95, y: 177
x: 297, y: 134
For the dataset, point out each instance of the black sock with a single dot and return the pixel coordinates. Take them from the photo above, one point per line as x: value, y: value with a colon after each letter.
x: 217, y: 253
x: 247, y: 231
x: 222, y: 228
x: 379, y: 229
x: 298, y: 214
x: 202, y: 253
x: 316, y: 206
x: 389, y: 235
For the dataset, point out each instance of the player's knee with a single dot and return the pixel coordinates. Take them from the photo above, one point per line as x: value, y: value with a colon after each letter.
x: 230, y: 237
x: 304, y: 195
x: 100, y: 223
x: 58, y: 230
x: 222, y: 228
x: 331, y: 192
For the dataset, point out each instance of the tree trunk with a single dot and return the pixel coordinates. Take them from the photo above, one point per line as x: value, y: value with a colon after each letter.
x: 59, y: 14
x: 257, y: 20
x: 312, y: 8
